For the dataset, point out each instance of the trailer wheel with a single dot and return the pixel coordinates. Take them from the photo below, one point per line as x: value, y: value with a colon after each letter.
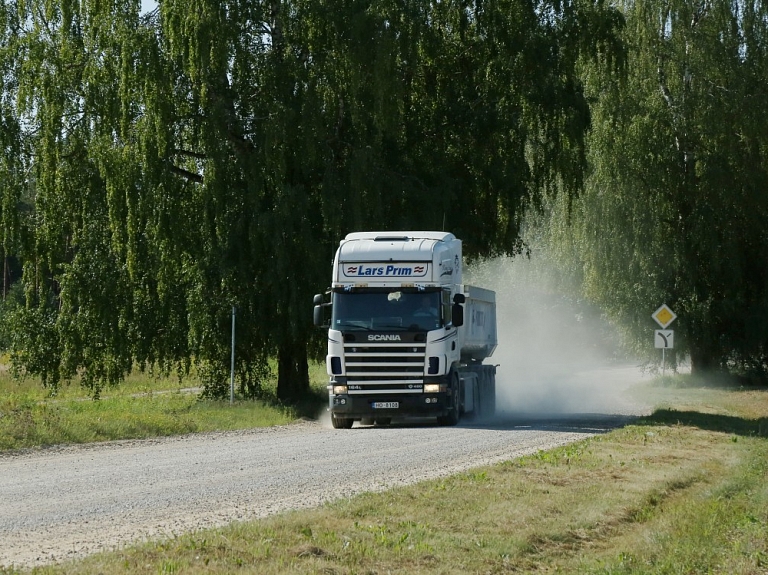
x: 488, y: 393
x: 341, y: 422
x: 452, y: 418
x: 491, y: 406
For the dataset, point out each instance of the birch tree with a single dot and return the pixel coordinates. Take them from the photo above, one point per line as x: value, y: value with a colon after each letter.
x: 674, y: 208
x: 211, y: 154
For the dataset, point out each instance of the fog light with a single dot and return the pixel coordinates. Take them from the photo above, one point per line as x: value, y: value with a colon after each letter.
x: 340, y: 390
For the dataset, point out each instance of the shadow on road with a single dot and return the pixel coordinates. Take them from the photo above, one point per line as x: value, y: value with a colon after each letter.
x: 578, y: 422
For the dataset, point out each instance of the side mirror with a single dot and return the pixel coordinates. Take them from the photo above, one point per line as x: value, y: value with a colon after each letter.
x: 459, y: 298
x: 457, y: 314
x: 318, y: 313
x: 318, y: 316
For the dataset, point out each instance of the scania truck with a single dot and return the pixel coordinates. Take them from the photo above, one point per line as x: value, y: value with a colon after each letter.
x: 406, y: 338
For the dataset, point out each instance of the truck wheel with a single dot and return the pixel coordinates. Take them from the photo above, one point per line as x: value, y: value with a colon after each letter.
x: 452, y: 418
x: 341, y: 422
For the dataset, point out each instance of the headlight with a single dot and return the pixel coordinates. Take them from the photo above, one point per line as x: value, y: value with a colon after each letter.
x: 431, y: 388
x: 339, y: 389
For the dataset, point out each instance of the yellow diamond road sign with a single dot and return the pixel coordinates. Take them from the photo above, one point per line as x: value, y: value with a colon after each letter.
x: 664, y: 316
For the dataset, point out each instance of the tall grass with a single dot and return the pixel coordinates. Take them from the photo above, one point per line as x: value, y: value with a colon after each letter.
x: 142, y: 406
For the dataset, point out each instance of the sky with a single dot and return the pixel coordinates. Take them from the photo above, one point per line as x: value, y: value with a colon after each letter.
x: 148, y: 5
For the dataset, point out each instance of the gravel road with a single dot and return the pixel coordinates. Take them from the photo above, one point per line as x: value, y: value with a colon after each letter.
x: 67, y: 502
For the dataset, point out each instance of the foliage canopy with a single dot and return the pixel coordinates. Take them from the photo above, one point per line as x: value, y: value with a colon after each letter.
x: 159, y: 169
x: 675, y: 204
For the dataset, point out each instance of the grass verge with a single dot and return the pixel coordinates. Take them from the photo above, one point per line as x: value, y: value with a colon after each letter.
x: 684, y: 490
x: 140, y: 407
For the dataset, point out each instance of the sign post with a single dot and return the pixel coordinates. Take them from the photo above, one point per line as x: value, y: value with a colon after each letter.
x: 664, y: 338
x: 232, y: 363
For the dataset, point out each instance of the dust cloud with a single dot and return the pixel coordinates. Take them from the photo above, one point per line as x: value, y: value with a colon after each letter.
x: 324, y: 417
x: 556, y: 355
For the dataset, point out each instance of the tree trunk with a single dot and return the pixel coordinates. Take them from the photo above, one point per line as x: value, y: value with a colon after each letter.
x: 292, y: 372
x: 702, y: 360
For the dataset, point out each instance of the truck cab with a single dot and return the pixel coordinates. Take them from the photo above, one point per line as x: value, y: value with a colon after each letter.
x: 394, y: 336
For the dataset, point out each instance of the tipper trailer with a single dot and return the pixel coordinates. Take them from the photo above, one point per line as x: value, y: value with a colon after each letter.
x: 406, y: 337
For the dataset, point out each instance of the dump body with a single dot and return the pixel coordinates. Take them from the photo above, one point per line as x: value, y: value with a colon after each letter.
x: 406, y: 338
x: 478, y: 337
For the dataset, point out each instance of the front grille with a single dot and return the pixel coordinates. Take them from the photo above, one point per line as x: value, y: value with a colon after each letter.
x: 385, y: 367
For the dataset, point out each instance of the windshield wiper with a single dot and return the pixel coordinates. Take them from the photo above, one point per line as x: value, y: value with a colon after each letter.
x: 380, y: 326
x: 356, y: 324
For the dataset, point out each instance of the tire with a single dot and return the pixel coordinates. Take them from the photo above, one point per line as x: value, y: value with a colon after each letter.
x: 490, y: 410
x: 341, y: 422
x: 477, y: 408
x: 452, y: 418
x: 488, y: 391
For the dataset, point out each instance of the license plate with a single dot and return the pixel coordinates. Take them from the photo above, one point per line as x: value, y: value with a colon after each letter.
x: 386, y: 404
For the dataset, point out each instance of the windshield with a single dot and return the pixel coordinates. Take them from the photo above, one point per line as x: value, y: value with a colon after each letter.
x: 396, y: 310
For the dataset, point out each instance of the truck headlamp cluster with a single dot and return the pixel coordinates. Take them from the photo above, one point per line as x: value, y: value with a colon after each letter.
x: 434, y: 388
x: 340, y: 390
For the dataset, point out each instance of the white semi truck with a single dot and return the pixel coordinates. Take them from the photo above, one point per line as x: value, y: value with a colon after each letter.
x: 406, y: 337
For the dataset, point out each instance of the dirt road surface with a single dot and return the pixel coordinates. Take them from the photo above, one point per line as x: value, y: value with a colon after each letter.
x: 67, y: 502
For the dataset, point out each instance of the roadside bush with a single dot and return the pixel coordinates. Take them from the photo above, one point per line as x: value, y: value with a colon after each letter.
x: 13, y: 300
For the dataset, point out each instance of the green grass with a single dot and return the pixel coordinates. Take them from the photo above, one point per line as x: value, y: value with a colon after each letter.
x: 142, y: 406
x: 684, y: 490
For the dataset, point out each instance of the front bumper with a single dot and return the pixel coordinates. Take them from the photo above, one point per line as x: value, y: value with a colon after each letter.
x: 411, y: 405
